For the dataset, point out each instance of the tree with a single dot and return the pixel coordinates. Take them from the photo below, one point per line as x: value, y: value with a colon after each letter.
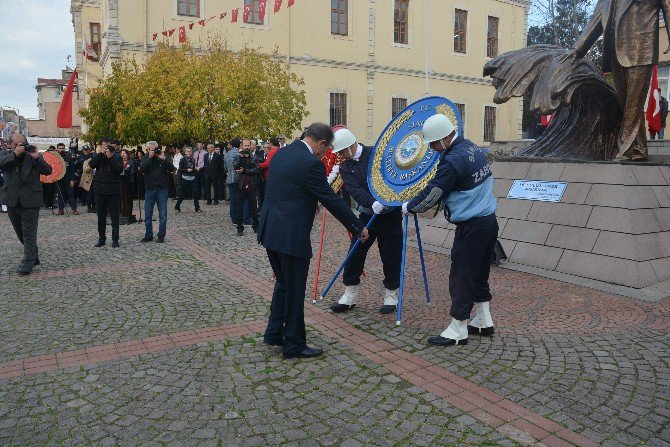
x: 178, y: 94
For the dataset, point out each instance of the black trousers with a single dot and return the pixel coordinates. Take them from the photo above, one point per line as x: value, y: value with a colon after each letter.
x: 387, y: 231
x: 49, y: 194
x: 24, y: 221
x: 104, y: 202
x: 212, y: 182
x: 260, y: 191
x: 287, y: 311
x: 186, y: 188
x: 250, y: 196
x: 474, y: 241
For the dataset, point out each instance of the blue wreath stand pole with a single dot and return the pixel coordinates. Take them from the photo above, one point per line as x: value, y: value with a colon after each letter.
x: 423, y: 262
x: 351, y: 252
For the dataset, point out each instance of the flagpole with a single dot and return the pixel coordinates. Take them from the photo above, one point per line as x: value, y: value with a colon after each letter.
x: 425, y: 42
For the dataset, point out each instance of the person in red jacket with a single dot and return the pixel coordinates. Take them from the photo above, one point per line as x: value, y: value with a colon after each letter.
x: 273, y: 144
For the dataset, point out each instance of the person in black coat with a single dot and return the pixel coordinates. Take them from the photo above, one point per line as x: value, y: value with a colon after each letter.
x: 247, y: 167
x: 296, y: 182
x: 211, y: 172
x: 107, y: 185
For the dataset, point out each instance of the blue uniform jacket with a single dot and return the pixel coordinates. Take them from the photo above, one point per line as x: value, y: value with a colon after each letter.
x: 355, y: 177
x: 464, y: 184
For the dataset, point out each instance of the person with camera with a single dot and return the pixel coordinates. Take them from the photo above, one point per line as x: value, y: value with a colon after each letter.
x: 157, y: 171
x: 22, y: 193
x: 66, y: 185
x: 187, y: 185
x: 107, y: 186
x: 248, y: 170
x: 84, y: 176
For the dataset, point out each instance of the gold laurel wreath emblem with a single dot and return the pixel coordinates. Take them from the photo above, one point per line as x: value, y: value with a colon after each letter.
x: 382, y: 189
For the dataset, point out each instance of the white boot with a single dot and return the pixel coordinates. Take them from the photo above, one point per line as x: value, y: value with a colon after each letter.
x: 482, y: 323
x: 390, y: 302
x: 348, y: 300
x: 455, y: 334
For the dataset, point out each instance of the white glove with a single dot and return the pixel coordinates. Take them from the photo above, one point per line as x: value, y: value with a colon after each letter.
x: 404, y: 208
x: 333, y: 174
x: 377, y: 207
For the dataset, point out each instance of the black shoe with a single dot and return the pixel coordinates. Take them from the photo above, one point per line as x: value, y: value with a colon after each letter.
x: 147, y: 239
x: 307, y: 353
x: 388, y: 309
x: 24, y: 272
x: 339, y: 308
x: 209, y: 202
x: 115, y: 244
x: 441, y: 341
x: 198, y: 210
x: 160, y: 240
x: 274, y: 343
x: 216, y: 202
x: 483, y: 331
x: 240, y: 232
x: 37, y: 261
x: 90, y: 210
x: 99, y: 244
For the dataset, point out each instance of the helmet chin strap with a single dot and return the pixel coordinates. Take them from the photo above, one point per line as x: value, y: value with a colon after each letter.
x: 444, y: 148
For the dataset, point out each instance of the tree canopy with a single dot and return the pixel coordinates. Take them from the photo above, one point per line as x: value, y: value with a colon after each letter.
x: 179, y: 94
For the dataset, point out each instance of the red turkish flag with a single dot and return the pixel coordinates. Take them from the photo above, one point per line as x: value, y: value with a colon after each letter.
x: 235, y: 13
x: 223, y: 15
x: 654, y: 105
x: 246, y: 13
x: 202, y: 22
x: 261, y: 9
x: 290, y: 3
x: 182, y: 34
x: 171, y: 32
x: 277, y: 6
x: 191, y: 25
x: 545, y: 120
x: 64, y: 118
x: 155, y: 36
x: 165, y: 33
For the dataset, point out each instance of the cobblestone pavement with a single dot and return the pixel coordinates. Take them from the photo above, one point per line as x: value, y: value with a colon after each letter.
x: 161, y: 344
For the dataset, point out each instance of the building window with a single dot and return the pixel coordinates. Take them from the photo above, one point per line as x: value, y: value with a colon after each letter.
x: 663, y: 76
x: 401, y: 22
x: 460, y: 30
x: 397, y: 106
x: 189, y: 8
x: 339, y: 17
x: 338, y: 109
x: 95, y: 40
x: 461, y: 111
x: 489, y: 124
x: 254, y: 16
x: 492, y: 37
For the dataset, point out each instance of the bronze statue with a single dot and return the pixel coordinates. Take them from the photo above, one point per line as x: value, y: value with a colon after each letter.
x: 630, y: 30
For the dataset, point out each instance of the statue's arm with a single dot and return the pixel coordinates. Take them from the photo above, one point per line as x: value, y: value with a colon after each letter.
x: 665, y: 5
x: 592, y: 31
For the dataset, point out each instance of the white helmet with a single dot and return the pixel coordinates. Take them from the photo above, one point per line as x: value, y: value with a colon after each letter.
x: 437, y: 127
x: 343, y: 140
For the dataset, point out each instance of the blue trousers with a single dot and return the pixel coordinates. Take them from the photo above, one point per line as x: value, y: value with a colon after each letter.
x: 158, y: 197
x: 65, y: 192
x: 232, y: 190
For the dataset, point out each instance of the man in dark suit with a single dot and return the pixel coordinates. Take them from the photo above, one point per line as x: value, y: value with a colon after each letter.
x: 22, y: 193
x: 211, y: 172
x: 108, y: 166
x: 630, y: 30
x: 296, y: 182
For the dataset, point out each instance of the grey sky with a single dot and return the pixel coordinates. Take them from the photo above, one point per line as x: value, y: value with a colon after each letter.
x: 37, y: 38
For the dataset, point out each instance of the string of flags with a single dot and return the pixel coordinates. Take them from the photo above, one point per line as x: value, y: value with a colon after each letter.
x: 234, y: 16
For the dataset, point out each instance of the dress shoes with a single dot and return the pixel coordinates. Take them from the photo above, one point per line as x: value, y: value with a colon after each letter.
x: 339, y: 308
x: 99, y: 244
x: 115, y: 244
x: 306, y: 353
x: 209, y: 202
x: 160, y: 240
x: 147, y: 239
x: 274, y: 343
x: 483, y: 331
x: 216, y: 202
x: 388, y: 309
x: 75, y: 212
x: 441, y: 341
x: 240, y: 232
x: 60, y: 212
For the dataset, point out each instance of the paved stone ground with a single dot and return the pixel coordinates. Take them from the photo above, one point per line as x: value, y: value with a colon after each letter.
x: 161, y: 344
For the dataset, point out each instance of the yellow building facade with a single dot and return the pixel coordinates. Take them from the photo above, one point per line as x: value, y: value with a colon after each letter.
x: 362, y: 60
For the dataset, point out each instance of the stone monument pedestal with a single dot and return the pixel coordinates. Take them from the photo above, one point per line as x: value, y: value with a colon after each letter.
x: 612, y: 224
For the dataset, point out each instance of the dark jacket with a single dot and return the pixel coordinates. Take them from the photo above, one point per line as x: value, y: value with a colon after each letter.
x: 156, y: 172
x: 22, y: 179
x: 107, y: 178
x: 129, y: 171
x: 213, y: 168
x: 355, y: 177
x: 71, y: 167
x: 185, y: 164
x: 250, y: 174
x: 297, y: 181
x: 663, y: 103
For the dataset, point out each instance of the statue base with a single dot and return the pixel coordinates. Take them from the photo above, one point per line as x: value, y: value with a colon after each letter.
x: 612, y: 224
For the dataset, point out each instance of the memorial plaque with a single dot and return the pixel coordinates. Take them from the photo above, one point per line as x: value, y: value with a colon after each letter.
x: 537, y: 190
